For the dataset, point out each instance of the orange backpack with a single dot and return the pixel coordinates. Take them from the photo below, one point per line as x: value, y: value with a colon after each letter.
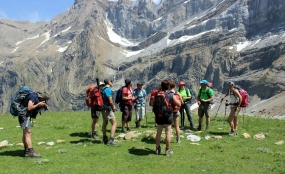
x: 175, y: 108
x: 94, y: 98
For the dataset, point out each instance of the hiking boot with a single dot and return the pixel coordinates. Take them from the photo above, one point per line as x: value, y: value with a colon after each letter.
x: 232, y: 133
x: 129, y: 129
x: 95, y: 135
x: 112, y: 142
x: 32, y: 153
x: 158, y: 150
x: 199, y: 128
x: 207, y: 129
x: 123, y: 130
x: 178, y: 140
x: 168, y: 152
x: 105, y: 140
x: 137, y: 124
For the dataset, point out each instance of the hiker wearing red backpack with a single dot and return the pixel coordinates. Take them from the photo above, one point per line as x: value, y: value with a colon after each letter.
x: 127, y: 105
x: 204, y: 99
x: 176, y: 109
x: 108, y: 113
x: 95, y: 117
x: 163, y: 109
x: 186, y: 96
x: 235, y: 103
x: 34, y: 102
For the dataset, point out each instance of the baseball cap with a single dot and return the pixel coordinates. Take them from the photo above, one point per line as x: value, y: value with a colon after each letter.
x: 101, y: 83
x: 181, y: 83
x: 107, y: 81
x: 43, y: 95
x: 128, y: 81
x: 139, y: 84
x: 231, y: 83
x: 203, y: 82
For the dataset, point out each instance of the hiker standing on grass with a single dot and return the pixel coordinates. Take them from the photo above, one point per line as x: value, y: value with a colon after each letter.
x: 176, y: 112
x: 139, y: 104
x: 205, y: 98
x: 163, y: 108
x: 95, y: 117
x: 235, y: 102
x: 186, y: 96
x: 127, y: 105
x: 34, y: 102
x: 108, y: 114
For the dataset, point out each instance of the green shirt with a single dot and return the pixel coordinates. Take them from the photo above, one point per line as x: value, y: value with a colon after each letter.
x: 204, y: 94
x: 183, y: 93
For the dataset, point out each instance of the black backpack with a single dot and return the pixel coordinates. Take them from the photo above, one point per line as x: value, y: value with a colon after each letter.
x: 163, y: 104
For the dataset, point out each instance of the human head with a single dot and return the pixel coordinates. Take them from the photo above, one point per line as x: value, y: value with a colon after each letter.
x: 165, y: 85
x: 43, y: 96
x: 182, y: 84
x: 139, y: 85
x: 108, y: 82
x: 128, y: 82
x: 171, y: 84
x: 231, y: 84
x: 203, y: 83
x: 101, y: 85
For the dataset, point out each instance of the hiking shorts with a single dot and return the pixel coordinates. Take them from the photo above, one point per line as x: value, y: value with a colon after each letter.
x: 94, y: 113
x: 164, y: 120
x: 204, y: 109
x: 127, y: 113
x: 25, y: 122
x: 108, y: 115
x: 234, y: 112
x: 176, y: 114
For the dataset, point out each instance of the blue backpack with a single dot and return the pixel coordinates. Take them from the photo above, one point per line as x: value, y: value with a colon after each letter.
x: 16, y: 107
x: 118, y: 98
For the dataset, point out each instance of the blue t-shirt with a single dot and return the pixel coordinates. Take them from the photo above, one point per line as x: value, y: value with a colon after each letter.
x: 34, y: 98
x: 106, y: 93
x: 140, y: 97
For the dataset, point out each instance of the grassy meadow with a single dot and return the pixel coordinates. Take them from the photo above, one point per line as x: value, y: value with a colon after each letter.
x: 82, y: 154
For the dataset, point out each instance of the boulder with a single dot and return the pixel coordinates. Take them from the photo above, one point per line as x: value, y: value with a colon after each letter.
x: 131, y: 135
x: 279, y: 142
x: 260, y: 136
x: 246, y: 135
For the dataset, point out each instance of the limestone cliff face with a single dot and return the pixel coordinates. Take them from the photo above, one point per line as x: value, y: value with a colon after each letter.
x: 217, y: 40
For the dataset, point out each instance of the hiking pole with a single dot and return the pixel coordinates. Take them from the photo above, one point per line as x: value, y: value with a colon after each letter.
x: 218, y: 110
x: 145, y: 113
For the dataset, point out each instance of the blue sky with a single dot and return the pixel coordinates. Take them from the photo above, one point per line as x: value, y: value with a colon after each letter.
x: 35, y: 10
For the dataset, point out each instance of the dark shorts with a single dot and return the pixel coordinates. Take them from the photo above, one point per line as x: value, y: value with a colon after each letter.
x: 25, y: 122
x: 127, y: 113
x: 204, y: 109
x: 163, y: 120
x: 94, y: 113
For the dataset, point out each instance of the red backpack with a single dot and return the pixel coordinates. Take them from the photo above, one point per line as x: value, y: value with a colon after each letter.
x: 176, y: 108
x: 244, y: 95
x: 163, y: 104
x: 94, y: 98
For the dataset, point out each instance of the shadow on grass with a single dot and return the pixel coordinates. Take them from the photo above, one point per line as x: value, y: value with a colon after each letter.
x: 141, y: 152
x: 80, y: 134
x: 148, y: 140
x: 82, y: 141
x: 218, y: 133
x: 19, y: 153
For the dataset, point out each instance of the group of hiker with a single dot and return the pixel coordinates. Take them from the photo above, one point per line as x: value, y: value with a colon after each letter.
x: 169, y: 104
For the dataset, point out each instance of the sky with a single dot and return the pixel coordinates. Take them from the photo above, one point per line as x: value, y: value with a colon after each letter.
x: 35, y: 10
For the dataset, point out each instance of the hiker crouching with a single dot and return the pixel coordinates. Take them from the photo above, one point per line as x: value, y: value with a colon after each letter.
x: 163, y: 109
x: 205, y: 98
x: 35, y: 103
x: 235, y: 103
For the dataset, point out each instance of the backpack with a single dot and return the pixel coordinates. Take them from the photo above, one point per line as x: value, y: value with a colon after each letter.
x: 163, y: 106
x: 175, y: 108
x: 16, y: 107
x: 94, y: 98
x: 244, y: 95
x: 118, y: 98
x: 188, y: 93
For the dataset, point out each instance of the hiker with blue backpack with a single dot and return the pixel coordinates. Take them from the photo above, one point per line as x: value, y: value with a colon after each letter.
x: 26, y: 104
x: 162, y: 103
x: 235, y: 105
x: 204, y: 99
x: 186, y: 96
x: 108, y: 113
x: 139, y: 104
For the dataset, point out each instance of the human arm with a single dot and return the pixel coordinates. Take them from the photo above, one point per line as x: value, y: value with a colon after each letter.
x: 112, y: 103
x: 32, y: 106
x: 176, y: 101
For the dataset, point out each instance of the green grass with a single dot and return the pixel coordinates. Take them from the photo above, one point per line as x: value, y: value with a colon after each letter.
x: 82, y: 154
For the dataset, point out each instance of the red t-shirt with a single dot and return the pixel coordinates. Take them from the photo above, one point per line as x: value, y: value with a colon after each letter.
x: 127, y: 92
